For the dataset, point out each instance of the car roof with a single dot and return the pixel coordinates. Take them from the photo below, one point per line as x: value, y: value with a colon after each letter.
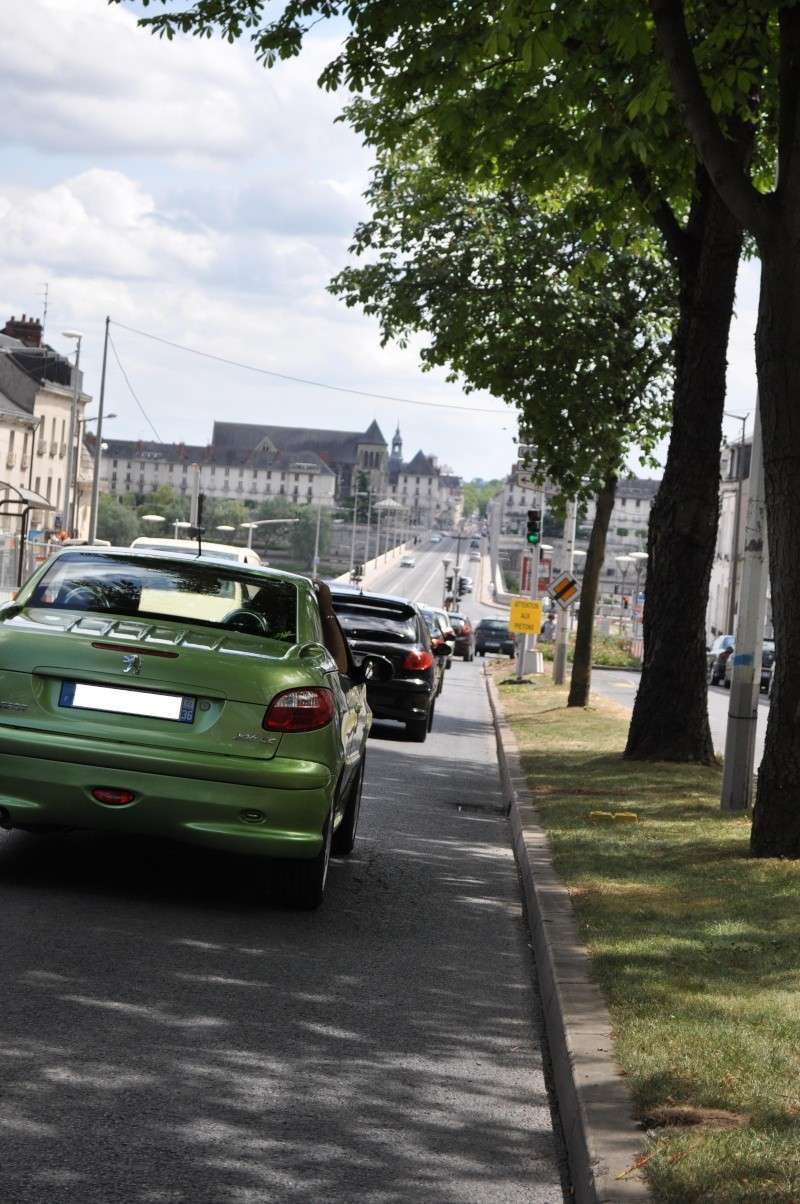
x: 347, y: 595
x: 162, y: 556
x: 156, y: 541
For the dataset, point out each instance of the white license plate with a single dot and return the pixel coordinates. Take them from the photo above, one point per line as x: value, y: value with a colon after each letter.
x: 111, y: 700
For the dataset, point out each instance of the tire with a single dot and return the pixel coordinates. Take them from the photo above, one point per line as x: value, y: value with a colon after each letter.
x: 481, y: 653
x: 726, y: 683
x: 417, y: 730
x: 305, y: 881
x: 344, y: 838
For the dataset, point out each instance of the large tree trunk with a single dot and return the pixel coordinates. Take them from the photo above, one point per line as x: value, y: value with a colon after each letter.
x: 670, y: 715
x: 581, y: 679
x: 776, y: 818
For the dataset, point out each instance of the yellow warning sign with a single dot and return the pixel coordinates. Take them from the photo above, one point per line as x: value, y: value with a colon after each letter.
x: 525, y: 617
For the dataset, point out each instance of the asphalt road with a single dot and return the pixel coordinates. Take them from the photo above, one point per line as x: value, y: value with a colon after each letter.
x: 171, y: 1036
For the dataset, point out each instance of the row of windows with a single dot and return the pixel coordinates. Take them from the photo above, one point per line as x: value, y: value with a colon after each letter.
x: 213, y: 471
x: 48, y: 489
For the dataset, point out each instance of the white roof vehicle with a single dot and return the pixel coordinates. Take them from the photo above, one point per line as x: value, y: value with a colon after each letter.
x: 188, y: 547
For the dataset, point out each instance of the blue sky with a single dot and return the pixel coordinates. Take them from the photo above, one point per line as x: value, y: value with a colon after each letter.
x: 186, y: 191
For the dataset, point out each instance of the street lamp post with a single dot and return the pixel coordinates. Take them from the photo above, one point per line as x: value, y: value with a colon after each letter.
x: 98, y: 447
x: 623, y: 563
x: 73, y: 419
x: 639, y: 565
x: 737, y: 523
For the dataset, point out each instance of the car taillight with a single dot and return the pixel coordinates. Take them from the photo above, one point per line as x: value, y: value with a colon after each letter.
x: 302, y: 710
x: 418, y: 660
x: 112, y: 797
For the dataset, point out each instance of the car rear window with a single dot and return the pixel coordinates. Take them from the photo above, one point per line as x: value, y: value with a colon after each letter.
x: 377, y: 621
x: 193, y: 591
x: 493, y: 625
x: 457, y: 624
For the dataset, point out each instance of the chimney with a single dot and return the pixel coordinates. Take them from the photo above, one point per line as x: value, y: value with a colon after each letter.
x: 27, y: 330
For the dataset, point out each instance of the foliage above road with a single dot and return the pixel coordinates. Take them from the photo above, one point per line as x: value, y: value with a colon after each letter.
x: 533, y: 301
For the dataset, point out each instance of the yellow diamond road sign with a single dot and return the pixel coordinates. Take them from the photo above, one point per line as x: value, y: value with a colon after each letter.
x: 525, y: 617
x: 564, y: 590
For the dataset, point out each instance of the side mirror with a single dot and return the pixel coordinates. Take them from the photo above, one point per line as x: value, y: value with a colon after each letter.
x: 443, y: 649
x: 375, y: 668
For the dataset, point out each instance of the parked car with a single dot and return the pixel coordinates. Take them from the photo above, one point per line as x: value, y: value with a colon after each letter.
x: 188, y: 547
x: 440, y: 628
x: 716, y: 658
x: 767, y: 662
x: 395, y: 628
x: 196, y: 699
x: 465, y: 636
x: 492, y: 635
x: 408, y: 562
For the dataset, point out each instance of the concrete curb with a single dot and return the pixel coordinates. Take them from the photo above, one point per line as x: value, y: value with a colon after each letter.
x: 595, y: 1105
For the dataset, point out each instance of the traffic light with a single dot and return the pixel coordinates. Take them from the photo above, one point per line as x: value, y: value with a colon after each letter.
x: 448, y: 583
x: 534, y: 534
x: 462, y: 587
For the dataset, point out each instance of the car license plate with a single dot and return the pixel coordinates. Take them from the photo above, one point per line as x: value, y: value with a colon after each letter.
x: 82, y: 696
x: 492, y: 647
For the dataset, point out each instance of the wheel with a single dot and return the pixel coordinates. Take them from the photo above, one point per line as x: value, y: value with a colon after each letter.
x: 726, y: 681
x: 305, y: 881
x: 430, y: 718
x: 482, y: 653
x: 344, y: 838
x: 417, y: 729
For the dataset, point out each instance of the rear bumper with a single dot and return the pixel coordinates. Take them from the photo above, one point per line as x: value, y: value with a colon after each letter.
x: 401, y: 700
x: 288, y: 801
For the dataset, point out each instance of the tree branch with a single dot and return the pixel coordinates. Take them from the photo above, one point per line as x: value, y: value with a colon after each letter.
x: 789, y: 99
x: 677, y: 242
x: 717, y: 153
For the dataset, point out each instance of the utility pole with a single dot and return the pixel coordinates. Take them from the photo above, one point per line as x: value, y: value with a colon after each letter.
x: 93, y: 513
x: 740, y: 737
x: 194, y: 513
x: 533, y: 589
x: 315, y: 563
x: 562, y: 621
x: 737, y: 523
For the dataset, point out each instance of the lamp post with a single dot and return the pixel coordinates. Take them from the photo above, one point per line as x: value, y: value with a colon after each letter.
x: 181, y: 524
x: 73, y: 419
x: 623, y: 563
x: 737, y: 523
x: 639, y: 564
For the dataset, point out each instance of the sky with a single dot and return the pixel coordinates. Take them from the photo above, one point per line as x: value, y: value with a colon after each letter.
x: 187, y: 192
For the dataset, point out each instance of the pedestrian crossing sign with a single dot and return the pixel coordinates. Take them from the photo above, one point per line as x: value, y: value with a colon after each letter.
x: 525, y: 617
x: 564, y: 590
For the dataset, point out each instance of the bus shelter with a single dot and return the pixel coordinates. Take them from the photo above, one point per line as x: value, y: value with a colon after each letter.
x: 19, y: 503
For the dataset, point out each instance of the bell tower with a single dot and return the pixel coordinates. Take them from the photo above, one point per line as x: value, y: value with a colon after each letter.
x: 397, y: 447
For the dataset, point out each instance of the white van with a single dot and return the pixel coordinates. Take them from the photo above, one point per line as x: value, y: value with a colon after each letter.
x: 188, y: 547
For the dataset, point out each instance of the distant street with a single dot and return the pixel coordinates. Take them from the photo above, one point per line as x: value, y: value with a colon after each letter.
x: 621, y: 687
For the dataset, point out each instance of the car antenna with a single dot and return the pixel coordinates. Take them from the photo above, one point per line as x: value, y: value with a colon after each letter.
x: 198, y: 531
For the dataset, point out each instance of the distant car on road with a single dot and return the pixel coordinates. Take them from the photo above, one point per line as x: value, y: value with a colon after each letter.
x: 465, y: 636
x: 767, y: 662
x: 492, y: 635
x: 475, y: 557
x: 394, y: 628
x: 408, y: 562
x: 716, y: 658
x: 436, y: 537
x: 475, y: 544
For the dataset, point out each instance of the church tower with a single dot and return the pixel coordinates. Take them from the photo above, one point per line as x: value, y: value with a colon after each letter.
x: 396, y: 458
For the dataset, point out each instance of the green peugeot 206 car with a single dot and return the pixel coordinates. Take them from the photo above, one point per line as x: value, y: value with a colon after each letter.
x: 193, y: 698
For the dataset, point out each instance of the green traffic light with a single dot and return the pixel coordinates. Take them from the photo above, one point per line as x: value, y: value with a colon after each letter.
x: 533, y: 537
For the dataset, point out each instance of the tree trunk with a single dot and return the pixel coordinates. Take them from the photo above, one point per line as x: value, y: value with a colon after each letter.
x: 581, y: 679
x: 670, y: 715
x: 776, y: 817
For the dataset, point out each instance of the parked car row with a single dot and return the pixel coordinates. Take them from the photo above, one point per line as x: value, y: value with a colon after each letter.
x: 720, y: 659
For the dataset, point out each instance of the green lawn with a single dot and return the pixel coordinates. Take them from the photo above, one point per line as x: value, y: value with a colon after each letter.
x: 696, y: 947
x: 607, y: 650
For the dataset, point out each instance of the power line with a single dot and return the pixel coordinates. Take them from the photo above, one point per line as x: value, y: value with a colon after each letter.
x: 133, y: 391
x: 317, y: 384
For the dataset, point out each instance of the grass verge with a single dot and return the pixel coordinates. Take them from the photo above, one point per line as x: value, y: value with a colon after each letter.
x: 695, y: 945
